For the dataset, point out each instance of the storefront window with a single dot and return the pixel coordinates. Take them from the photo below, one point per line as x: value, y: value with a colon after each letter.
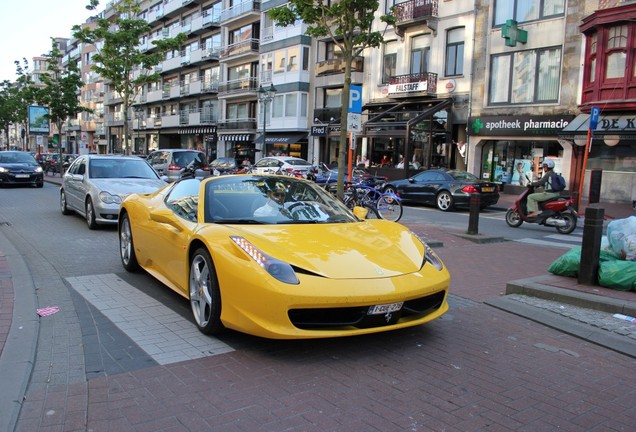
x: 621, y: 157
x: 516, y: 162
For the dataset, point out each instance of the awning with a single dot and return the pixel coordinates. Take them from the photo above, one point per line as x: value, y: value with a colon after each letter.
x: 235, y: 137
x: 282, y: 138
x: 615, y: 124
x: 197, y: 130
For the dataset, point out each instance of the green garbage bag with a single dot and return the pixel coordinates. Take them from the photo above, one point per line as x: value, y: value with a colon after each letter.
x: 617, y: 274
x: 567, y: 264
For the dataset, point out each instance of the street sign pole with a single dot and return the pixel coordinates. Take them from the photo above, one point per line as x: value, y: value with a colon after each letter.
x: 594, y: 117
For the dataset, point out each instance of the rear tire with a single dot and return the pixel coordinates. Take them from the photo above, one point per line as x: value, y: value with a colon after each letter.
x: 444, y: 201
x: 513, y: 218
x: 389, y: 208
x: 570, y: 225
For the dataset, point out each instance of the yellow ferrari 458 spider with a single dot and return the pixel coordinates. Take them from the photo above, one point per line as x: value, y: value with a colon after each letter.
x: 279, y: 257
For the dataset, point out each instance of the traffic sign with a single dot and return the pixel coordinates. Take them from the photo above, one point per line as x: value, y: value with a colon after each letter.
x: 355, y: 99
x: 354, y: 122
x: 594, y: 117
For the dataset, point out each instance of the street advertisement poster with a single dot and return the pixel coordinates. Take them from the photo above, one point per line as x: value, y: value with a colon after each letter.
x: 39, y: 120
x: 522, y: 172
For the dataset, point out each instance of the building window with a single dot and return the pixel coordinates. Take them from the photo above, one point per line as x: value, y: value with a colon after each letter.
x: 526, y: 10
x: 591, y: 57
x: 616, y: 52
x: 525, y: 77
x: 454, y: 52
x: 389, y: 62
x: 420, y: 52
x: 333, y: 98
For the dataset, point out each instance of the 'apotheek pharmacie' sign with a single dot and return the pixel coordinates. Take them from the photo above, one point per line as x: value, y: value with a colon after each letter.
x: 517, y: 125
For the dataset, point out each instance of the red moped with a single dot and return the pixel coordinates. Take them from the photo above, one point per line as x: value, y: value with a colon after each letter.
x: 557, y: 212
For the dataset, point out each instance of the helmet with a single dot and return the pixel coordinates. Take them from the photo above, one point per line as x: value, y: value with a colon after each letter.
x: 549, y: 163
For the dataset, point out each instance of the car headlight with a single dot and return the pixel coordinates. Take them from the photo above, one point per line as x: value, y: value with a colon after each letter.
x: 39, y: 169
x: 3, y: 170
x: 277, y: 268
x: 430, y: 255
x: 108, y: 198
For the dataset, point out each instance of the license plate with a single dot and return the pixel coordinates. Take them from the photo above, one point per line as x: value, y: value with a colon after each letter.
x: 22, y: 176
x: 487, y: 189
x: 385, y: 308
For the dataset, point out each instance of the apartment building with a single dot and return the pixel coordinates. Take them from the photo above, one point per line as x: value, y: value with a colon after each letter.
x: 525, y: 88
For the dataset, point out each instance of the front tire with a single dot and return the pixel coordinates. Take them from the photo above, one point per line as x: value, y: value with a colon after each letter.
x: 445, y: 201
x: 90, y: 214
x: 126, y: 245
x: 570, y: 224
x: 205, y: 296
x: 513, y: 218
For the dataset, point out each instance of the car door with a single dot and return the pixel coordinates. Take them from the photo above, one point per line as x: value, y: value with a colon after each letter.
x: 73, y: 184
x: 423, y: 187
x: 169, y: 241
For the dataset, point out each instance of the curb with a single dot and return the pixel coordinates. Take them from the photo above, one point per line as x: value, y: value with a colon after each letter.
x: 18, y: 355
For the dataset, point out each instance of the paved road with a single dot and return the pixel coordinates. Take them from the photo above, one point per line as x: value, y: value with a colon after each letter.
x: 477, y: 368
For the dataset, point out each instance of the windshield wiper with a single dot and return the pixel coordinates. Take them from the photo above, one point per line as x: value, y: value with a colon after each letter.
x: 239, y: 221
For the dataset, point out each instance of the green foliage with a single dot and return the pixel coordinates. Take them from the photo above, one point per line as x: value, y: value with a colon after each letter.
x: 349, y: 24
x: 15, y: 98
x: 120, y: 53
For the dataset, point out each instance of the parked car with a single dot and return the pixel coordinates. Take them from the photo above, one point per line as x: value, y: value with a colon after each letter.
x: 282, y: 165
x: 20, y: 168
x: 171, y: 163
x: 446, y: 189
x: 310, y: 270
x: 95, y: 185
x: 223, y: 166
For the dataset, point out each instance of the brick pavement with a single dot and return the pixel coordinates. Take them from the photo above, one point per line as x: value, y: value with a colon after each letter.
x: 477, y: 368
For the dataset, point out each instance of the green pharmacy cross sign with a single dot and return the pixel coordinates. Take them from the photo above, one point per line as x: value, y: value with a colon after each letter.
x: 511, y: 32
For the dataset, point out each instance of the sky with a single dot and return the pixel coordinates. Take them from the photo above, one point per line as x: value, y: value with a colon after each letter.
x: 26, y: 28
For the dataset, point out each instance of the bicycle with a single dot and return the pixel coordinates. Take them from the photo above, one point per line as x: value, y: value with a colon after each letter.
x: 387, y: 206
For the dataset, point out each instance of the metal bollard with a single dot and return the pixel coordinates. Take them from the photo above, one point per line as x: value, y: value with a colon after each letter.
x: 591, y: 246
x: 473, y: 220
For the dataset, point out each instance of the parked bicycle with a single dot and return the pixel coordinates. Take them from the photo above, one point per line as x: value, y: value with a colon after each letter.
x: 385, y: 206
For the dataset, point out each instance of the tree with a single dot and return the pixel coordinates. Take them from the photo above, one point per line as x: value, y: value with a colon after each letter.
x: 349, y: 24
x: 59, y: 92
x: 9, y: 102
x: 16, y: 97
x: 120, y: 51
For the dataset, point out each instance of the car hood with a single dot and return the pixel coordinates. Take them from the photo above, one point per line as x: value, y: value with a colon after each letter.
x: 359, y: 250
x: 19, y: 166
x: 127, y: 186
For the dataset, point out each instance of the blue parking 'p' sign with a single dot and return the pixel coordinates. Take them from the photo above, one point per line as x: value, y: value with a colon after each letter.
x: 595, y: 113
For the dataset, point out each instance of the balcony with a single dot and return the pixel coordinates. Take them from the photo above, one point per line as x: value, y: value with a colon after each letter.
x: 416, y: 12
x: 244, y: 11
x: 337, y: 66
x: 210, y: 86
x: 239, y: 87
x: 242, y: 48
x: 405, y: 85
x: 242, y: 125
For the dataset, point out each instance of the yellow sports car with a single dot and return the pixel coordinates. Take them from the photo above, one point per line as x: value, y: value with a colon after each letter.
x: 279, y: 257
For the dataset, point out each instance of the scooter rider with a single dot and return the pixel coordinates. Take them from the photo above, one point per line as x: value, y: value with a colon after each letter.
x: 535, y: 198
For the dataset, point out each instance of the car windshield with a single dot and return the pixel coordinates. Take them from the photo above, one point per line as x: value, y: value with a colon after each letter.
x: 271, y: 200
x: 183, y: 159
x: 223, y: 163
x: 121, y: 168
x: 16, y: 157
x: 463, y: 176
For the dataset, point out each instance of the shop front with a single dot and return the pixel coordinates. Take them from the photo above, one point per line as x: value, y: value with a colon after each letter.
x: 409, y: 135
x: 284, y: 144
x: 612, y: 152
x: 509, y: 149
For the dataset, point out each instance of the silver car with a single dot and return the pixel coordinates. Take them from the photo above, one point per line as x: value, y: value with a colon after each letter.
x: 171, y: 163
x: 286, y: 165
x: 95, y: 185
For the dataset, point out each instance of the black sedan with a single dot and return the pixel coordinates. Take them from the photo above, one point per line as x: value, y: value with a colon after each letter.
x: 445, y: 189
x: 20, y: 168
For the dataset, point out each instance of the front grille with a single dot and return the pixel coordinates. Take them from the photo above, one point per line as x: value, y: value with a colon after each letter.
x: 336, y: 318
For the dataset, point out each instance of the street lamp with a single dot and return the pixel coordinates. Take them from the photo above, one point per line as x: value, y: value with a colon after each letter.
x: 266, y: 96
